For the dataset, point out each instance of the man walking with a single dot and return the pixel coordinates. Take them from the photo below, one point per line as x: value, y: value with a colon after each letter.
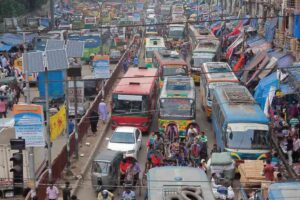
x: 67, y: 191
x: 52, y: 192
x: 103, y: 111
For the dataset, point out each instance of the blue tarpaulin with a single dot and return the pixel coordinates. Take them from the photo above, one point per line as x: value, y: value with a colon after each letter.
x: 16, y: 39
x: 284, y: 60
x: 297, y: 24
x: 264, y: 85
x: 4, y: 47
x: 270, y: 28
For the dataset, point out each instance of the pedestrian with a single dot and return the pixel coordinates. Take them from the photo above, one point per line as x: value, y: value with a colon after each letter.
x: 2, y: 108
x: 269, y: 171
x: 71, y: 126
x: 289, y: 149
x: 296, y: 148
x: 135, y: 61
x: 105, y: 195
x: 125, y: 65
x: 67, y: 191
x: 52, y: 191
x: 103, y: 111
x: 94, y: 118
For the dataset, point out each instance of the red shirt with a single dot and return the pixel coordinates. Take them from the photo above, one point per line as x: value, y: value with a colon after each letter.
x: 269, y: 172
x: 124, y: 166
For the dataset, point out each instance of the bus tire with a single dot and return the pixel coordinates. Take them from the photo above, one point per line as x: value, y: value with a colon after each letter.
x: 188, y: 195
x: 196, y: 190
x: 174, y: 197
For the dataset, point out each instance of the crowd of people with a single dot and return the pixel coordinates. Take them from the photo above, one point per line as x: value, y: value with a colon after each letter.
x: 171, y: 149
x: 285, y: 112
x: 10, y: 89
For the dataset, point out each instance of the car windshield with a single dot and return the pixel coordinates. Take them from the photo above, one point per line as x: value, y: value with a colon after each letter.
x: 101, y: 167
x: 174, y: 71
x: 176, y: 107
x: 249, y: 139
x: 122, y: 137
x: 130, y: 104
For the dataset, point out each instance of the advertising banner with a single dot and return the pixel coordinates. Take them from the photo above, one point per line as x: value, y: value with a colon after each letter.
x: 101, y: 67
x: 29, y: 124
x: 58, y: 123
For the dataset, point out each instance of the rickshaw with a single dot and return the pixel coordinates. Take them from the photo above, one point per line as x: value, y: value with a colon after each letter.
x: 129, y: 179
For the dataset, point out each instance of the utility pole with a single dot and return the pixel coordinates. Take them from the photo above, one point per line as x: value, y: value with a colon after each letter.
x: 101, y: 23
x: 52, y: 14
x: 48, y: 125
x: 31, y: 149
x: 67, y: 120
x: 76, y: 128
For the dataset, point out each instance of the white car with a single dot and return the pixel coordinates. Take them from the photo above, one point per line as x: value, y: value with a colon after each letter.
x: 126, y: 139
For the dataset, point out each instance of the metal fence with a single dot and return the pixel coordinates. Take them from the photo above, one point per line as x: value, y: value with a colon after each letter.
x: 60, y: 162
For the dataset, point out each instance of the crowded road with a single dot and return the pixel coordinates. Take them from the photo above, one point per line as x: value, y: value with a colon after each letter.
x: 86, y: 191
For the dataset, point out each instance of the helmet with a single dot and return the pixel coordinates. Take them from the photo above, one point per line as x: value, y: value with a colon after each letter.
x: 104, y: 193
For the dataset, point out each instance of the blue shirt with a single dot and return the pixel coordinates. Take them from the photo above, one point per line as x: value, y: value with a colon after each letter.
x: 71, y: 127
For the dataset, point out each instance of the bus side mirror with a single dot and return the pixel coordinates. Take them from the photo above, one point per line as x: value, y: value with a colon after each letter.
x: 230, y: 135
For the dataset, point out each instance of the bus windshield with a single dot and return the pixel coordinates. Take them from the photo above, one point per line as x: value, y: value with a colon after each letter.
x: 249, y: 139
x: 176, y: 33
x: 174, y: 71
x: 130, y: 104
x: 176, y: 107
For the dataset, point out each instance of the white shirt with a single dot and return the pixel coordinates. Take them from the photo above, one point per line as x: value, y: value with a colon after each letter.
x: 128, y: 196
x: 52, y: 193
x: 3, y: 61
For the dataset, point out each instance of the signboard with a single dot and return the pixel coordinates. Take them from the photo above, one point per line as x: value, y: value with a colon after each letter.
x: 79, y: 93
x: 101, y: 68
x: 58, y: 123
x: 136, y: 17
x: 130, y: 97
x: 29, y: 124
x: 90, y: 21
x: 139, y: 7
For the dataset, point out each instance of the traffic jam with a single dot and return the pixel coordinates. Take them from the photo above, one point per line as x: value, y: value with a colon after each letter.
x: 192, y: 102
x: 194, y: 60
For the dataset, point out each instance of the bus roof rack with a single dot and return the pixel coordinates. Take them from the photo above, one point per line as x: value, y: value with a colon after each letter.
x: 238, y: 95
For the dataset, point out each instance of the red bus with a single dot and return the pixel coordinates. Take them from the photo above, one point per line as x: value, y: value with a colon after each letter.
x: 134, y: 98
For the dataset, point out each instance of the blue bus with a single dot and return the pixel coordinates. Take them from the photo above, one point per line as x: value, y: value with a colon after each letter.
x: 239, y: 124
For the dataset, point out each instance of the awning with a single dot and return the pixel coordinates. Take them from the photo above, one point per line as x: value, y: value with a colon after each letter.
x: 4, y: 47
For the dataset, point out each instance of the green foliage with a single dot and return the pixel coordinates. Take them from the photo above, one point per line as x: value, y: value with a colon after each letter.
x: 11, y: 8
x: 14, y: 8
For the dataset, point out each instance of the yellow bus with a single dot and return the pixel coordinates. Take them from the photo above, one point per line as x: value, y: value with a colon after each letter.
x: 153, y: 44
x: 214, y: 74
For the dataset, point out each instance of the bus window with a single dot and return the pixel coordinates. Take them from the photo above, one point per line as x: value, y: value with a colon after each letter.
x: 129, y: 103
x: 176, y: 108
x: 248, y: 139
x: 173, y: 71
